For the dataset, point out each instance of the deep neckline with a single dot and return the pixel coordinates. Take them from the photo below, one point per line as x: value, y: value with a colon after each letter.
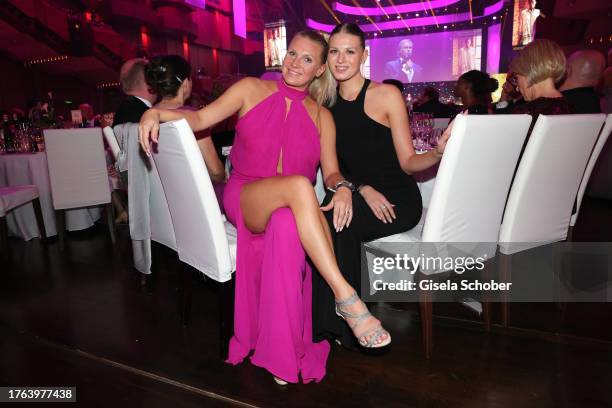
x: 291, y: 93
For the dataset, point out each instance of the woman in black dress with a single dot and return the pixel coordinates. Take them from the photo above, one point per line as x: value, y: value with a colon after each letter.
x: 376, y: 156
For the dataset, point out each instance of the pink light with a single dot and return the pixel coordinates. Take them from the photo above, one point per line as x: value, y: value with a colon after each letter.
x: 401, y: 8
x: 414, y: 22
x: 186, y: 48
x: 144, y: 37
x: 493, y: 48
x: 239, y: 18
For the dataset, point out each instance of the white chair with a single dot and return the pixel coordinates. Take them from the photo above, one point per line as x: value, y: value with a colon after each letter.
x: 13, y: 197
x: 470, y: 192
x: 601, y: 141
x: 110, y: 138
x: 148, y: 209
x: 540, y: 202
x: 205, y: 240
x: 78, y: 173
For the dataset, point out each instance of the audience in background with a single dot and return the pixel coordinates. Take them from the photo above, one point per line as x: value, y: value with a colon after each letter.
x: 584, y: 71
x: 139, y: 96
x: 429, y: 101
x: 510, y: 96
x: 89, y: 118
x: 474, y: 88
x: 539, y: 66
x: 107, y: 119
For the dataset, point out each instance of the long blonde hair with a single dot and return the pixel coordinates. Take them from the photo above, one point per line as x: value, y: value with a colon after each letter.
x: 323, y: 88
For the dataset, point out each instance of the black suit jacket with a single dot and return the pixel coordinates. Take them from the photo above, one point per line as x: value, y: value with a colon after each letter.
x: 393, y: 70
x: 130, y: 110
x: 584, y: 100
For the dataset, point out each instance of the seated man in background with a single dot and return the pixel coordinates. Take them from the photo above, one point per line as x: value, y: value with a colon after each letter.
x: 584, y: 71
x: 139, y: 97
x: 89, y: 119
x: 429, y: 102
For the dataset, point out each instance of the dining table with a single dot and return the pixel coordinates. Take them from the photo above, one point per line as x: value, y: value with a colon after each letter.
x: 31, y: 168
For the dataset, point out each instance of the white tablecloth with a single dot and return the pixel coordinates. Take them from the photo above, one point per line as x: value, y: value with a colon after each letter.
x: 16, y: 169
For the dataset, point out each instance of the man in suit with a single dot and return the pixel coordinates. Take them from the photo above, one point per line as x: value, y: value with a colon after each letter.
x: 139, y: 97
x: 404, y: 69
x: 584, y: 71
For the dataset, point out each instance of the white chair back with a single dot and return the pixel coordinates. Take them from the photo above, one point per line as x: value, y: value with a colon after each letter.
x: 198, y: 224
x: 77, y: 167
x: 546, y: 182
x: 474, y: 177
x: 149, y: 213
x: 110, y: 138
x: 601, y: 141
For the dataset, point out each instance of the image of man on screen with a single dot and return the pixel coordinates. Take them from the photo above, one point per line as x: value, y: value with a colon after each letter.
x: 467, y: 56
x: 273, y: 48
x: 404, y: 69
x: 527, y: 23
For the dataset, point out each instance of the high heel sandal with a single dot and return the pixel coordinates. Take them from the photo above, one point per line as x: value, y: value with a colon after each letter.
x: 369, y: 338
x: 279, y: 381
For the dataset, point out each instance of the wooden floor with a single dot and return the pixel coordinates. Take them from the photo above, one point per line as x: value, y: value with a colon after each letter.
x: 81, y: 318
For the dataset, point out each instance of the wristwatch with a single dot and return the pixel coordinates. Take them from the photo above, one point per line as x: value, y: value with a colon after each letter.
x: 343, y: 183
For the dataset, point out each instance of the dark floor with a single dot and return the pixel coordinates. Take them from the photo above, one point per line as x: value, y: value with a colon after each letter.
x: 80, y: 318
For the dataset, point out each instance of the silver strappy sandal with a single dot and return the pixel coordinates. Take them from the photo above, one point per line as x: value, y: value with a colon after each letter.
x: 370, y: 338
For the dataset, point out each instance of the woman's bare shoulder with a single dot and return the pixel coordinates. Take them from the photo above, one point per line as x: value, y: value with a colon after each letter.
x: 383, y: 91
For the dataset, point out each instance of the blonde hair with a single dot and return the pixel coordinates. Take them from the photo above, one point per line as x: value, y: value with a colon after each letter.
x: 323, y: 88
x: 540, y: 60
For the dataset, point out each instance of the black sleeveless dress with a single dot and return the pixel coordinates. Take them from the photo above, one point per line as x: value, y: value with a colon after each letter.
x: 366, y: 155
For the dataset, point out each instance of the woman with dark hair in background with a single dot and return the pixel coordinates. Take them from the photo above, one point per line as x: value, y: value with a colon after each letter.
x: 170, y: 78
x: 282, y: 134
x: 474, y: 88
x: 375, y: 153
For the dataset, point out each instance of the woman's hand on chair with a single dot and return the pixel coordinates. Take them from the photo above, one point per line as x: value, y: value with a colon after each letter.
x: 342, y: 204
x: 148, y: 130
x: 378, y: 203
x: 443, y: 139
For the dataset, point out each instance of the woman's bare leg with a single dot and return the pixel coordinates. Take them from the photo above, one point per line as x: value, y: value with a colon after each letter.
x: 259, y: 199
x: 325, y: 227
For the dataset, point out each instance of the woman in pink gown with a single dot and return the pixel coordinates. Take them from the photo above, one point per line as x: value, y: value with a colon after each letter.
x: 282, y: 135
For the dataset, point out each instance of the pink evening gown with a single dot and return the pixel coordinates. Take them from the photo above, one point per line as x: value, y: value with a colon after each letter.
x: 273, y: 306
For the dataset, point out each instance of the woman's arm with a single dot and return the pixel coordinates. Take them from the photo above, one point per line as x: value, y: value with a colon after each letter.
x: 342, y: 201
x: 391, y: 99
x: 230, y: 102
x: 329, y: 159
x: 211, y: 159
